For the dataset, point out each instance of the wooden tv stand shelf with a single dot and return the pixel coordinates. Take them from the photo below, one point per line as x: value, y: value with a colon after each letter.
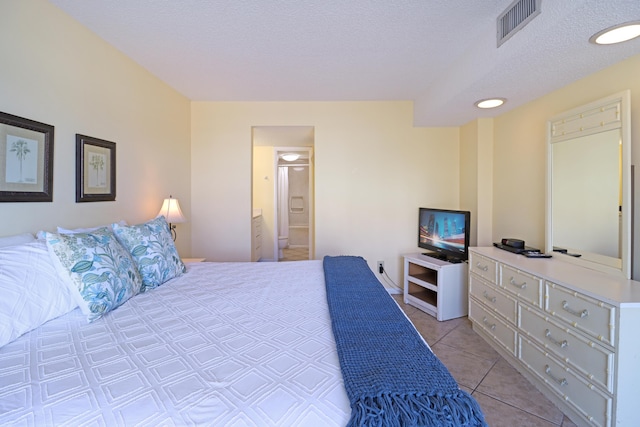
x: 436, y: 287
x: 571, y: 331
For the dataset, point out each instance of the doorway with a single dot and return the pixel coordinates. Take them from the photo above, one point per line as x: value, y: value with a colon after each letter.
x: 283, y: 190
x: 293, y: 203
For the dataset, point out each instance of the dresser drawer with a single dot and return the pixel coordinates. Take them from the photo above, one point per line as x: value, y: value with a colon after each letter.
x: 591, y: 316
x: 496, y: 301
x: 484, y: 267
x: 523, y: 285
x: 257, y: 227
x: 587, y: 357
x: 504, y: 334
x: 256, y: 238
x: 593, y: 404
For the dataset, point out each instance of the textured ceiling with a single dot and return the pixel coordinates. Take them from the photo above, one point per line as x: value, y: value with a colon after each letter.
x: 441, y: 54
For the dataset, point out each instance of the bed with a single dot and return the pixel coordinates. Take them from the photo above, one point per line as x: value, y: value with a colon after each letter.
x: 223, y: 344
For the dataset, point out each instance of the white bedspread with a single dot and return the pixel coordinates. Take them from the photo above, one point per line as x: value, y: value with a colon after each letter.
x: 226, y: 344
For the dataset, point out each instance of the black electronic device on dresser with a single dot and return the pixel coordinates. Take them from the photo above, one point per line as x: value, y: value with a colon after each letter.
x: 444, y: 233
x: 517, y: 246
x: 513, y: 243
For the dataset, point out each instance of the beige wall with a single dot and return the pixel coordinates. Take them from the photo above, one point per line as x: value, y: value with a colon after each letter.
x: 57, y: 72
x: 469, y: 175
x: 264, y: 195
x: 476, y: 178
x: 373, y: 170
x: 373, y: 167
x: 519, y: 162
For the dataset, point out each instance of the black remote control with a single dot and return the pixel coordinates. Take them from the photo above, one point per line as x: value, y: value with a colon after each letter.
x: 536, y: 255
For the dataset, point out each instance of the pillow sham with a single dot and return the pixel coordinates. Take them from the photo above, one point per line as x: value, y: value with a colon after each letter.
x: 32, y: 292
x: 18, y: 239
x: 97, y: 269
x: 153, y: 251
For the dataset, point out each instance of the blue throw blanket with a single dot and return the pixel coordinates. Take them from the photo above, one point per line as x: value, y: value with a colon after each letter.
x: 392, y: 378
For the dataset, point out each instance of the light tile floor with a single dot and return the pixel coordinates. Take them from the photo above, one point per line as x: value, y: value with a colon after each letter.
x: 295, y: 254
x: 506, y: 397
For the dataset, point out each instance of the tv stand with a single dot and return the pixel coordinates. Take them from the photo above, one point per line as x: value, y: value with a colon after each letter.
x: 436, y: 287
x: 442, y: 257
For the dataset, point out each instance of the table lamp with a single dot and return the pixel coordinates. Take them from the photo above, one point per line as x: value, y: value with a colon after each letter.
x: 172, y: 213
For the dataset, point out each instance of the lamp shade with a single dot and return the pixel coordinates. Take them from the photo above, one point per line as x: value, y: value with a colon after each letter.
x: 171, y: 211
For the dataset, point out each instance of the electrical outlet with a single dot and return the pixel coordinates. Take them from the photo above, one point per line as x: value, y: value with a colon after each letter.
x: 380, y: 267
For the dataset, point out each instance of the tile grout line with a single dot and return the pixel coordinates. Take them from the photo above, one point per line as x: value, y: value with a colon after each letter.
x: 485, y: 376
x: 494, y: 363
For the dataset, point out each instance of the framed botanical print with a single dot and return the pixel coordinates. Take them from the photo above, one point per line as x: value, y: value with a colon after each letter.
x: 95, y: 169
x: 26, y: 160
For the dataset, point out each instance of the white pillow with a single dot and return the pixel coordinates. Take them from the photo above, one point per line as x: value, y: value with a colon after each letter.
x: 31, y: 291
x: 86, y: 230
x: 18, y: 239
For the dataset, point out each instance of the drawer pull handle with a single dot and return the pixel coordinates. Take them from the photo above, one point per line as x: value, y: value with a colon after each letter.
x: 580, y: 314
x: 561, y: 381
x: 490, y: 325
x: 490, y: 298
x: 482, y: 267
x: 561, y: 344
x: 521, y: 286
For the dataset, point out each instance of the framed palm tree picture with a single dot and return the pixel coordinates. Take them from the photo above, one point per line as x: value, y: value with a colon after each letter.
x: 26, y: 160
x: 95, y: 169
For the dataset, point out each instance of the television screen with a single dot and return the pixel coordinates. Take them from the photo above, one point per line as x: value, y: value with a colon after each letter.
x: 445, y: 232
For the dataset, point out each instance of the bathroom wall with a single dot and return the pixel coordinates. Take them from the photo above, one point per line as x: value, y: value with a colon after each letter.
x: 298, y: 220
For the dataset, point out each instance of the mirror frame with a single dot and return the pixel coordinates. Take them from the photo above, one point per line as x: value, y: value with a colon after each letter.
x: 612, y: 112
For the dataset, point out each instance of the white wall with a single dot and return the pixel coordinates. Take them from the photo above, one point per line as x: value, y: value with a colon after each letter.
x: 519, y: 161
x: 373, y: 170
x: 56, y: 71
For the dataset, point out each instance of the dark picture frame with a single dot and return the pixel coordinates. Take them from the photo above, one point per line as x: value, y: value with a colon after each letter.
x: 95, y: 169
x: 26, y: 160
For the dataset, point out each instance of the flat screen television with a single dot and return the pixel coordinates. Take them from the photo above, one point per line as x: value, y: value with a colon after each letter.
x: 444, y: 233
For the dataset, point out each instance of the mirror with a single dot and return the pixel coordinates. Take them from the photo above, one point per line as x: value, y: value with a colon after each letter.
x: 589, y: 185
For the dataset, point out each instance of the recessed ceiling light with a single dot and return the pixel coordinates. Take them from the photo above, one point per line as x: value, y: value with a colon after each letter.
x: 490, y: 103
x: 617, y: 34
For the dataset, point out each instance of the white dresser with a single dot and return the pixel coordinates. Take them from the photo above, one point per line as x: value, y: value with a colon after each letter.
x: 572, y: 331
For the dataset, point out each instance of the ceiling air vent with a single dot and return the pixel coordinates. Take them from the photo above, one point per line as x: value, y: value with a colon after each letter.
x: 515, y: 17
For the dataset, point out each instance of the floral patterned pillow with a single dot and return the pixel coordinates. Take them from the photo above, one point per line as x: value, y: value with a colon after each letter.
x: 97, y: 269
x: 153, y: 251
